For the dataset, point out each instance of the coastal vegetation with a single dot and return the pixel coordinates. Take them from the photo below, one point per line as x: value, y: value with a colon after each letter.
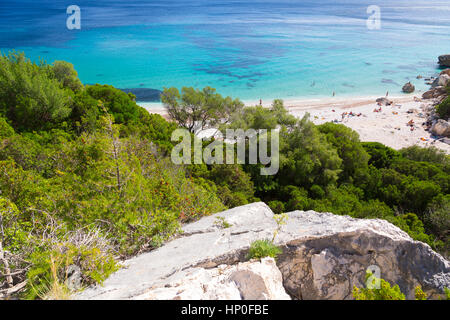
x: 380, y: 289
x: 86, y: 177
x: 263, y: 248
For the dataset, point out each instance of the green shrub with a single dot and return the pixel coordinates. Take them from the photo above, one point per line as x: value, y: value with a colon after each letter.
x: 49, y: 268
x: 222, y: 223
x: 443, y: 109
x: 234, y: 185
x: 381, y: 156
x: 65, y: 73
x: 413, y: 226
x: 447, y: 293
x: 419, y: 294
x: 29, y: 96
x: 6, y: 130
x: 116, y: 102
x: 385, y: 292
x: 263, y: 248
x: 346, y: 141
x: 430, y: 154
x: 276, y: 206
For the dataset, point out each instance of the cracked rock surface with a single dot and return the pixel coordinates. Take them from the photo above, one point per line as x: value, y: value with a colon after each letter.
x: 324, y: 255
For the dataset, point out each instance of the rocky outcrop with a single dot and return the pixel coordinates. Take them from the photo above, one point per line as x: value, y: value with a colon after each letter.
x: 253, y: 280
x: 434, y: 93
x: 324, y: 255
x: 408, y: 88
x: 443, y: 80
x: 446, y: 71
x: 444, y: 60
x: 441, y: 128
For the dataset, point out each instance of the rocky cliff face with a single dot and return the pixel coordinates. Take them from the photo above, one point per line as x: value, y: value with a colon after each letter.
x: 444, y: 60
x: 324, y: 255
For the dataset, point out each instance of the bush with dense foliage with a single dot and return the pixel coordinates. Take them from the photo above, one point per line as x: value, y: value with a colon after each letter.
x: 443, y: 109
x: 195, y: 109
x: 380, y: 289
x: 263, y: 248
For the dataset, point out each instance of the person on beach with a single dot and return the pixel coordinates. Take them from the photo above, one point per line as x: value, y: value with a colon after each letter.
x: 260, y: 102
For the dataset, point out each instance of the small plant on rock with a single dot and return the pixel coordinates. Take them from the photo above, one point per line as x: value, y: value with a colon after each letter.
x: 221, y: 223
x: 419, y: 294
x: 281, y: 220
x: 266, y: 248
x: 263, y: 248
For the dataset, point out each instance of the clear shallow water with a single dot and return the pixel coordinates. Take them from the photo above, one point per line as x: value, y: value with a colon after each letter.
x: 247, y: 49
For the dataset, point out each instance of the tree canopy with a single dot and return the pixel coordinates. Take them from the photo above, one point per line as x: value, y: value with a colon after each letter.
x: 195, y: 109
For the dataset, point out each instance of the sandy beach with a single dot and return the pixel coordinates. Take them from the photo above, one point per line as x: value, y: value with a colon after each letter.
x: 388, y: 126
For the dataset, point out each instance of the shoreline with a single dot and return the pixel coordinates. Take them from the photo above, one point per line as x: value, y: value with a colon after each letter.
x: 388, y: 126
x: 294, y: 104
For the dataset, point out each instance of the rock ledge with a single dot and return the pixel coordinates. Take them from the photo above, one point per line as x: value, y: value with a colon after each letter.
x: 324, y: 255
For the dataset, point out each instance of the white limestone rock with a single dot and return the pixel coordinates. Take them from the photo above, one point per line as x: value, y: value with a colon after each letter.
x: 253, y: 280
x: 324, y: 255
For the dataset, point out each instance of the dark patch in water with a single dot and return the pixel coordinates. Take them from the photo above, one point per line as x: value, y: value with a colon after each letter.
x: 367, y: 63
x: 389, y: 81
x: 348, y: 85
x: 145, y: 94
x: 389, y: 72
x: 337, y: 47
x: 99, y: 75
x: 219, y: 70
x: 407, y: 67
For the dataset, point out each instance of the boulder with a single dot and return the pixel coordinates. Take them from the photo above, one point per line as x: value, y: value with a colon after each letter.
x: 428, y: 94
x: 435, y: 83
x: 443, y: 80
x: 441, y: 128
x: 253, y: 280
x: 323, y: 256
x: 444, y: 60
x: 384, y: 101
x: 446, y: 71
x: 434, y: 93
x: 408, y: 88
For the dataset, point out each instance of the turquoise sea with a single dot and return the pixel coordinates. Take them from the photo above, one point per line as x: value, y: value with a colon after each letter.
x: 247, y: 49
